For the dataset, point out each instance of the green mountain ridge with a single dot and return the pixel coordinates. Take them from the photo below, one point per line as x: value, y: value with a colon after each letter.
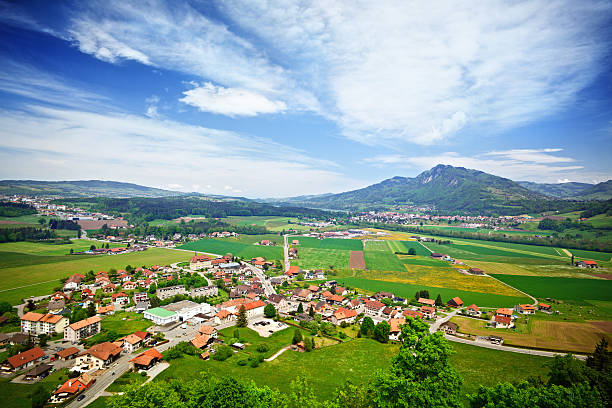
x: 444, y: 187
x: 82, y: 188
x: 558, y: 190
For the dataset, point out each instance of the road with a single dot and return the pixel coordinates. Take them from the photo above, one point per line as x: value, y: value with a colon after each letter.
x: 120, y: 366
x: 286, y: 252
x: 268, y: 288
x: 436, y: 325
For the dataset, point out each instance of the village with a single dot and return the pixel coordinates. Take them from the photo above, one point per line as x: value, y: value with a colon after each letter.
x: 192, y: 301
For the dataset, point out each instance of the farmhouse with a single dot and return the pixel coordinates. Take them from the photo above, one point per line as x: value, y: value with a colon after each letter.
x: 455, y: 302
x: 38, y: 372
x: 343, y: 315
x: 160, y: 316
x: 302, y: 295
x: 436, y: 255
x: 224, y: 316
x: 99, y: 356
x: 502, y: 322
x: 147, y: 359
x: 473, y: 310
x: 23, y: 360
x: 449, y: 328
x: 396, y: 328
x: 476, y: 271
x: 525, y: 309
x: 425, y: 301
x: 74, y: 385
x: 37, y: 323
x: 429, y: 312
x: 504, y: 312
x: 74, y: 282
x: 412, y: 313
x: 374, y: 308
x: 544, y: 307
x: 82, y: 329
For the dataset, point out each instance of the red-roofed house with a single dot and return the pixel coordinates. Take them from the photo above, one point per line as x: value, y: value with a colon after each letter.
x: 23, y: 360
x: 429, y: 312
x: 472, y: 310
x: 147, y: 359
x: 224, y: 316
x: 343, y: 315
x: 74, y: 385
x: 425, y: 301
x: 255, y: 308
x: 525, y: 309
x: 374, y: 308
x: 502, y: 322
x: 455, y: 302
x: 120, y: 298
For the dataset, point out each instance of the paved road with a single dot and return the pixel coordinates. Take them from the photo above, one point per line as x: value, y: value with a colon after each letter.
x: 508, y: 348
x: 436, y: 325
x: 119, y: 367
x: 268, y: 288
x: 286, y: 252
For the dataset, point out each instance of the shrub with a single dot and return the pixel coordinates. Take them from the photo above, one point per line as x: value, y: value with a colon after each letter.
x: 222, y: 353
x: 262, y: 348
x: 243, y: 362
x: 254, y: 363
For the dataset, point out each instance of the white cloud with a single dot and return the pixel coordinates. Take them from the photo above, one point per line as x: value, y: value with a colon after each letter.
x: 230, y: 101
x: 393, y: 71
x: 61, y: 144
x: 518, y: 165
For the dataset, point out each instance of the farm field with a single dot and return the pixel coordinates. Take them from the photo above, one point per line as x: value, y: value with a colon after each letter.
x: 271, y: 223
x: 445, y: 277
x: 559, y: 271
x: 528, y: 249
x: 246, y: 251
x: 41, y: 279
x: 560, y: 288
x: 383, y: 261
x: 376, y: 245
x: 593, y: 255
x: 472, y: 251
x: 422, y: 260
x: 408, y: 290
x: 357, y: 260
x: 543, y: 334
x: 313, y: 258
x: 38, y: 248
x: 330, y: 243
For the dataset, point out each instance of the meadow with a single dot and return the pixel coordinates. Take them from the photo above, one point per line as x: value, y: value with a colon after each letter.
x: 26, y: 279
x: 560, y: 288
x: 559, y: 271
x: 408, y: 290
x: 542, y: 334
x: 245, y: 251
x: 133, y: 322
x: 376, y: 245
x: 271, y: 223
x: 330, y: 243
x: 383, y: 261
x: 18, y: 395
x: 312, y: 258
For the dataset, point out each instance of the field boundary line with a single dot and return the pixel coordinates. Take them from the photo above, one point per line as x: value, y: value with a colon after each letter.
x: 568, y: 253
x: 430, y: 251
x: 502, y: 248
x: 32, y: 284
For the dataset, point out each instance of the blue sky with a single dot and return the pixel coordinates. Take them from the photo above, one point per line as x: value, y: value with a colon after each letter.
x: 283, y: 98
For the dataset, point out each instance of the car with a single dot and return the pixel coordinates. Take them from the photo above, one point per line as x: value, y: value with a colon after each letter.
x: 81, y: 397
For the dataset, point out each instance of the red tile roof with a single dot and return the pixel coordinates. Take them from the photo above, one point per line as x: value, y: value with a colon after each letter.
x: 25, y: 357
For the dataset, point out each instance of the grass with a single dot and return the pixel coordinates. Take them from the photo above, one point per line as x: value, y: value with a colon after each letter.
x: 593, y: 255
x: 43, y: 249
x: 250, y: 337
x: 422, y: 260
x: 408, y: 290
x: 133, y: 322
x: 559, y: 271
x: 383, y: 261
x: 313, y: 258
x: 326, y: 369
x: 41, y: 280
x: 331, y: 243
x: 377, y: 246
x: 246, y: 251
x: 464, y: 250
x: 560, y: 288
x: 18, y: 395
x: 405, y: 246
x: 483, y: 366
x: 544, y: 334
x: 128, y: 378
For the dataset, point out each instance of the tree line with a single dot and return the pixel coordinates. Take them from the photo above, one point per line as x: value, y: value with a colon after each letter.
x: 8, y: 209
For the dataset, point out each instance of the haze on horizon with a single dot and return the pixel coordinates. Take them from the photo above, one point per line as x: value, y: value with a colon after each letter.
x: 277, y: 99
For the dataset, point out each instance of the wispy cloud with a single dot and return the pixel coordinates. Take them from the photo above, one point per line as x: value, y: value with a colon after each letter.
x: 230, y: 101
x: 520, y: 164
x: 55, y: 142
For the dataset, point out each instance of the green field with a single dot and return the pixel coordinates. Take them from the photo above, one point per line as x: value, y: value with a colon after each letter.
x: 560, y: 288
x: 383, y: 261
x: 535, y: 249
x: 26, y: 279
x: 408, y: 290
x: 330, y: 243
x: 407, y: 245
x: 245, y: 251
x: 377, y: 246
x: 422, y: 260
x: 271, y: 223
x: 596, y: 256
x: 133, y: 322
x: 18, y: 395
x: 312, y: 258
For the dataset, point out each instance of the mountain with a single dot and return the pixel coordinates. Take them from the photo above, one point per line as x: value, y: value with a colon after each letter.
x: 444, y: 187
x: 559, y: 190
x: 82, y: 188
x: 600, y: 191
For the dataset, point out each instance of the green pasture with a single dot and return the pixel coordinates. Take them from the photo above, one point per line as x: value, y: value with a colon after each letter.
x: 383, y: 261
x: 593, y: 255
x: 25, y: 280
x: 560, y: 288
x: 246, y: 251
x: 18, y: 395
x: 408, y: 290
x: 313, y: 258
x: 330, y: 243
x: 423, y: 261
x: 377, y: 246
x: 530, y: 249
x: 40, y: 248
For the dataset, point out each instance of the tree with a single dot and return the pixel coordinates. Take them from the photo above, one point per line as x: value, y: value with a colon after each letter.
x: 92, y: 247
x: 155, y: 301
x: 439, y: 300
x: 601, y: 359
x: 78, y: 314
x: 5, y: 307
x: 236, y: 334
x: 42, y: 339
x: 332, y: 290
x: 297, y: 336
x: 270, y: 311
x: 307, y: 345
x: 300, y: 308
x: 411, y: 251
x: 30, y: 305
x: 71, y: 251
x: 39, y: 396
x: 242, y: 321
x: 381, y: 332
x: 367, y: 326
x: 311, y: 311
x: 420, y: 374
x: 91, y: 309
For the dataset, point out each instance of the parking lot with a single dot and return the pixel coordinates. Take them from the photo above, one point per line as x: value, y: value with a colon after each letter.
x: 266, y: 327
